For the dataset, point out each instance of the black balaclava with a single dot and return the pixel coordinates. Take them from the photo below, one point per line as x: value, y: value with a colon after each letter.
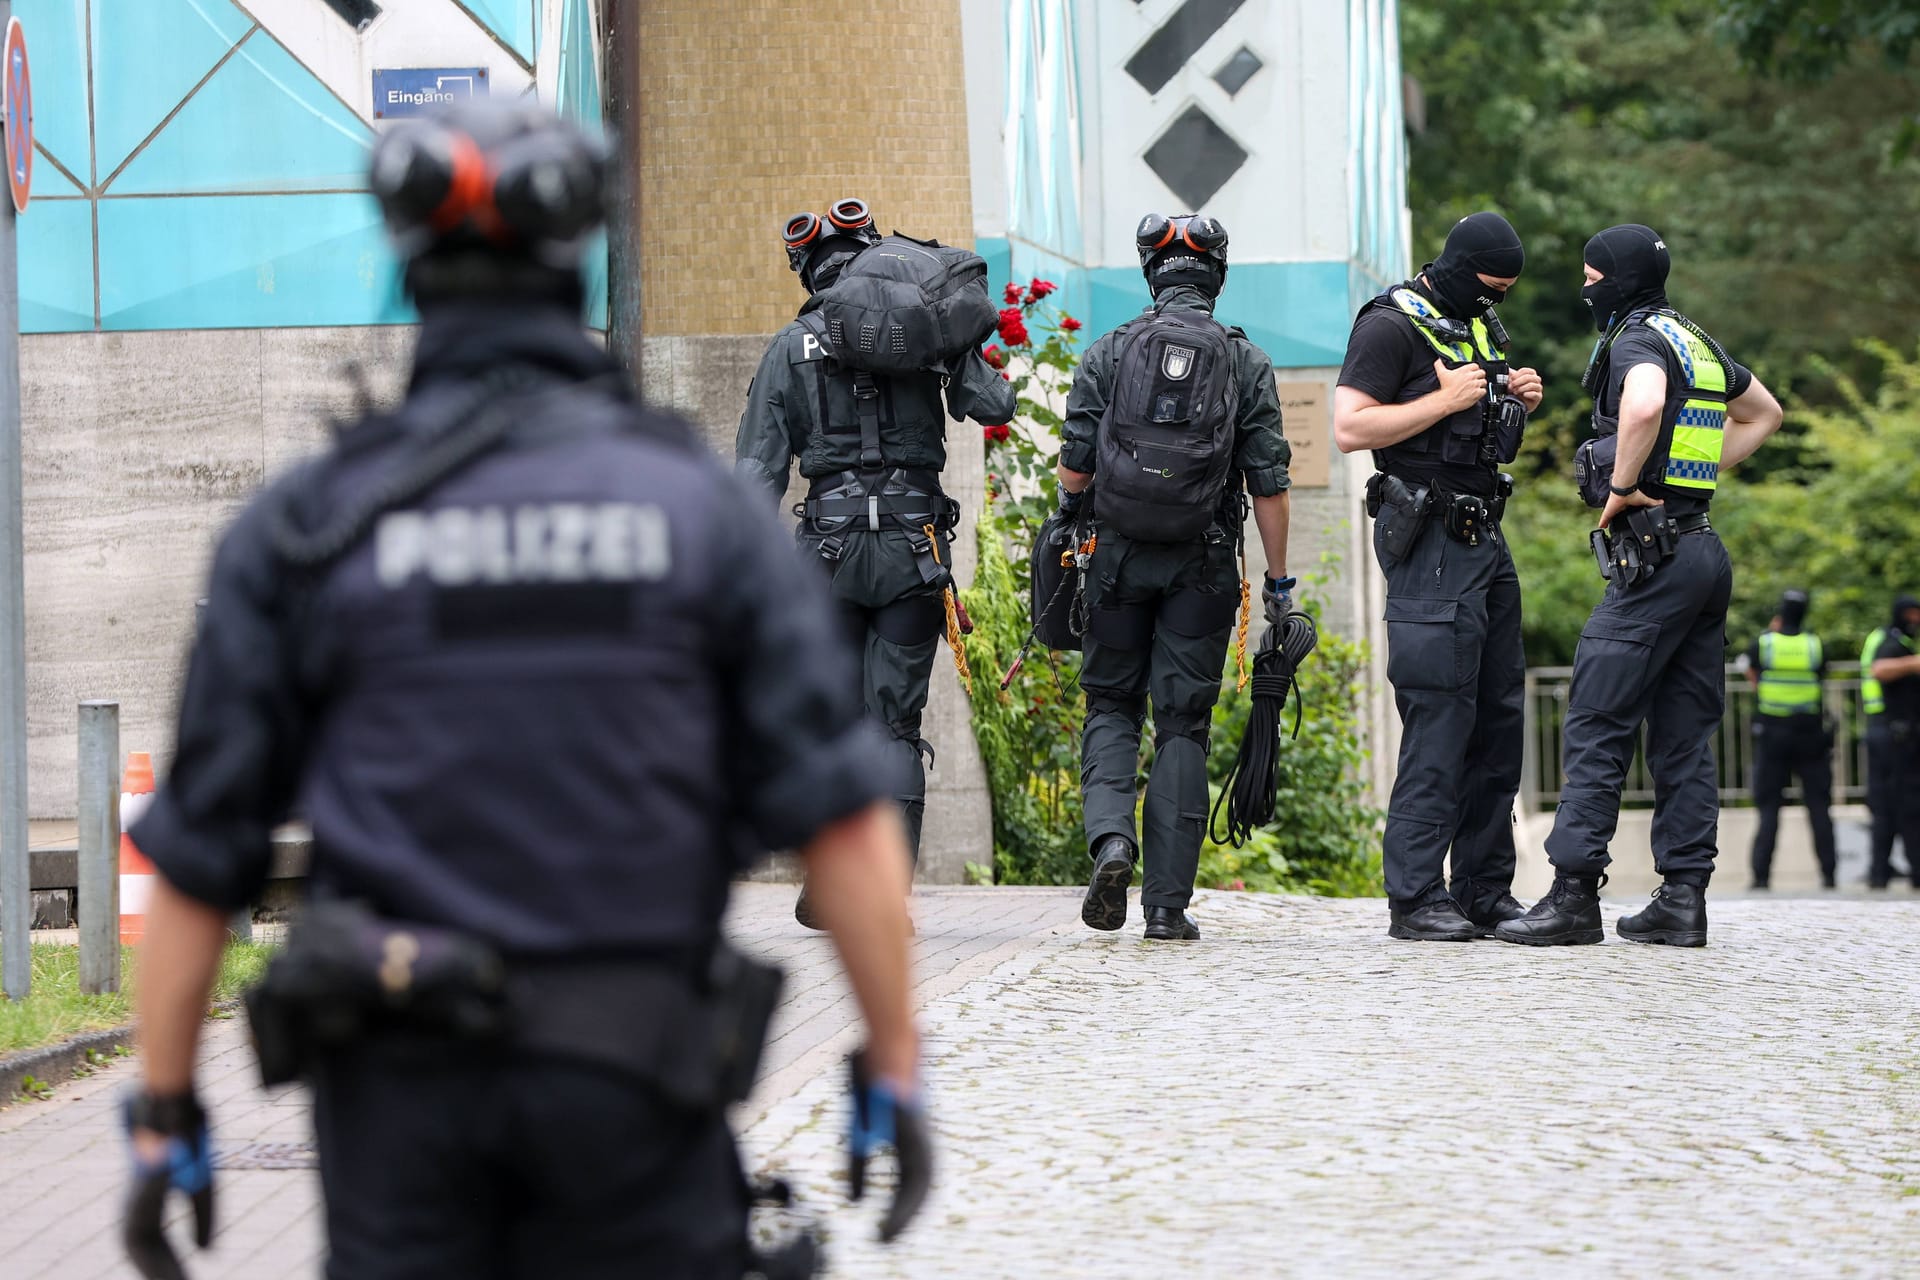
x: 1479, y: 244
x: 1793, y: 611
x: 1633, y: 262
x: 1901, y: 605
x: 828, y: 260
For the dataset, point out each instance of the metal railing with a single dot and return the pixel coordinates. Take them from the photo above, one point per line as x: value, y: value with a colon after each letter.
x: 1546, y: 708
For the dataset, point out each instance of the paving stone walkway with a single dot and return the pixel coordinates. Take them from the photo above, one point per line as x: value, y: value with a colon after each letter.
x: 1294, y: 1096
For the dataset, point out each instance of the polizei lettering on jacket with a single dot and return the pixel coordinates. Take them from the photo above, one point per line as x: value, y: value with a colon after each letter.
x: 546, y: 542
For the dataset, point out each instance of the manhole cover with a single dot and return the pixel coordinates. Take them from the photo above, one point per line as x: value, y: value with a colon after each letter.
x: 267, y: 1155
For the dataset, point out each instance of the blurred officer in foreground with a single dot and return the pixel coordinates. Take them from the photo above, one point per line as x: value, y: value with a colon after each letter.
x: 865, y: 420
x: 1428, y: 388
x: 1883, y: 778
x: 1791, y: 737
x: 1896, y: 667
x: 543, y: 678
x: 1671, y: 411
x: 1173, y: 416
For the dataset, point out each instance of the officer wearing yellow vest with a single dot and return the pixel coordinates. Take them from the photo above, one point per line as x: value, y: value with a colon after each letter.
x: 1790, y: 736
x: 1426, y: 387
x: 1890, y: 688
x: 1671, y: 410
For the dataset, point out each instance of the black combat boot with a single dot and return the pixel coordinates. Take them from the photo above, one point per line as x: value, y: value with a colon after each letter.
x: 1436, y: 921
x: 1105, y: 906
x: 1569, y: 916
x: 803, y: 910
x: 1677, y: 917
x: 1170, y: 924
x: 1490, y: 913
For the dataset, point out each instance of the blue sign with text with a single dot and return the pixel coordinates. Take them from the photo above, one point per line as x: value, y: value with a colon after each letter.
x: 412, y: 91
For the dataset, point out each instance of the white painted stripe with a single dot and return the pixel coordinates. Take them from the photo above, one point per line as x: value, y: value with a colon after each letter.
x: 135, y: 893
x: 133, y: 806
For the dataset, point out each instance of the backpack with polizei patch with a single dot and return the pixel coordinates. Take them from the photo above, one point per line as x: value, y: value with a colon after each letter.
x: 1166, y: 442
x: 907, y: 306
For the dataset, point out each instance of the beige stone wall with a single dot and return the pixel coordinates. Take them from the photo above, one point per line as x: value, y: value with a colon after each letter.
x: 752, y: 110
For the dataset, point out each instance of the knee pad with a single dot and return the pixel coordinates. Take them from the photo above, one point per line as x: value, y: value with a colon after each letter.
x: 914, y: 620
x: 1133, y: 708
x: 1195, y: 727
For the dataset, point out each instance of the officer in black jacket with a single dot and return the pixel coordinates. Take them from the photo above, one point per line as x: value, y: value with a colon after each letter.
x: 543, y: 677
x: 889, y: 559
x: 1427, y: 387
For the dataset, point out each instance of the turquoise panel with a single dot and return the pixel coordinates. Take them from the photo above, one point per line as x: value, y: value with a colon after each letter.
x: 49, y: 183
x: 56, y: 265
x: 513, y: 22
x: 262, y: 123
x: 211, y: 262
x: 147, y: 56
x: 57, y: 56
x: 594, y: 270
x: 998, y: 252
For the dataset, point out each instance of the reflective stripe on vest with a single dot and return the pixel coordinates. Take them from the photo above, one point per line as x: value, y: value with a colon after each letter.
x: 1419, y: 310
x: 1699, y: 423
x: 1789, y: 674
x: 1872, y: 696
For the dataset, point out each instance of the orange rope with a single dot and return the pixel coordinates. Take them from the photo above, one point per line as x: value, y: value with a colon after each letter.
x: 954, y: 640
x: 1246, y: 621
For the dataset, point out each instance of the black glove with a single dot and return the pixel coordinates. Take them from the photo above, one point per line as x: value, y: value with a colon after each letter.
x: 1276, y: 599
x: 187, y: 1166
x: 882, y: 1118
x: 1070, y: 501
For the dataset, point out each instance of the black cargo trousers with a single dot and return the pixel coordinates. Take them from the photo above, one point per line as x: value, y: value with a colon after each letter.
x: 1458, y: 672
x: 1784, y: 748
x: 1653, y: 653
x: 1158, y: 623
x: 893, y: 619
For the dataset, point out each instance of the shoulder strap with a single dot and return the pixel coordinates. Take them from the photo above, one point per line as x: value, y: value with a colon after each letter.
x: 1423, y: 316
x: 866, y: 401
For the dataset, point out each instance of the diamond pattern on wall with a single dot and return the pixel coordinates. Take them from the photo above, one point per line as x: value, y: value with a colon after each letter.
x: 1195, y: 157
x: 147, y: 56
x: 513, y: 22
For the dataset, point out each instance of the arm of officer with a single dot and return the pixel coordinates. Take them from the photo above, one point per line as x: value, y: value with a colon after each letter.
x: 1263, y: 454
x: 976, y: 390
x: 1643, y: 399
x: 238, y: 755
x: 762, y: 448
x: 811, y: 771
x: 1752, y: 416
x: 1891, y: 661
x: 1086, y: 405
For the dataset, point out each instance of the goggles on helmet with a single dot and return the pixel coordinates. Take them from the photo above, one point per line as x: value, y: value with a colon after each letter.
x: 1201, y: 234
x: 803, y: 233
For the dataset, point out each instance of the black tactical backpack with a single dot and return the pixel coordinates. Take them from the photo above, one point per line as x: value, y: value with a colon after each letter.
x: 1166, y: 442
x: 906, y: 305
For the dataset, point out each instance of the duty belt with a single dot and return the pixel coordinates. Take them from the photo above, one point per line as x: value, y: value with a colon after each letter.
x: 859, y: 500
x: 1695, y: 523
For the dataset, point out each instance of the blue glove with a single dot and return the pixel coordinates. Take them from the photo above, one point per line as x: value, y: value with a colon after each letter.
x: 186, y: 1166
x: 881, y: 1117
x: 1069, y: 501
x: 1276, y: 599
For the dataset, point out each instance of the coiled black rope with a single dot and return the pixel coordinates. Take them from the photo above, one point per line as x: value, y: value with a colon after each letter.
x: 1252, y: 786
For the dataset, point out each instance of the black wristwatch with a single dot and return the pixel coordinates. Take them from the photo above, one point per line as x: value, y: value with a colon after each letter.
x: 1618, y: 492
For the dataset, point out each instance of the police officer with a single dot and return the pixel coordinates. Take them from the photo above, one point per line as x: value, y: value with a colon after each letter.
x: 532, y: 663
x: 867, y: 518
x: 1883, y: 787
x: 1427, y: 387
x: 1790, y: 735
x: 1171, y: 399
x: 1896, y: 669
x: 1672, y: 411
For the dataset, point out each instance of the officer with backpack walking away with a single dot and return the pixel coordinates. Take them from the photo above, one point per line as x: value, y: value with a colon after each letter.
x: 1672, y: 411
x: 1171, y: 418
x: 1428, y: 388
x: 853, y: 389
x: 1791, y: 734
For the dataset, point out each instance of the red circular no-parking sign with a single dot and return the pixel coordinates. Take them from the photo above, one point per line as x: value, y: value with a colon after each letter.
x: 18, y: 92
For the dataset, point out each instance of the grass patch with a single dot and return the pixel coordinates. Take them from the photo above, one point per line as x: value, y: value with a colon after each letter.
x: 56, y: 1011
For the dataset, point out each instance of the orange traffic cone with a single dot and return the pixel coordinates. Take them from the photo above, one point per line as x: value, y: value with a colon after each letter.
x: 136, y: 872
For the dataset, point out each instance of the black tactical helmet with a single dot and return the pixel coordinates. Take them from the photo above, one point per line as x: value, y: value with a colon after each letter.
x: 490, y: 195
x: 817, y: 247
x: 1187, y: 248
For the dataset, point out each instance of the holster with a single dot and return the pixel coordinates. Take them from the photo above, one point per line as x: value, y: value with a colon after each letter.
x: 1467, y: 518
x: 1631, y: 556
x: 1401, y: 509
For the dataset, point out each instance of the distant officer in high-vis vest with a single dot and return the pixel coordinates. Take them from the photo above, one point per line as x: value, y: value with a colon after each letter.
x: 1670, y: 410
x: 1885, y: 648
x: 1428, y: 389
x: 1790, y: 735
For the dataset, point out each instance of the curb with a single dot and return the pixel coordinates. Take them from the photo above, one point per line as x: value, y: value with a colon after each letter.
x: 55, y: 1063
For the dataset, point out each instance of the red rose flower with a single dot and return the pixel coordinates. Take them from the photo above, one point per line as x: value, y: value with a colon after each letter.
x: 1069, y: 325
x: 1013, y: 293
x: 1039, y: 289
x: 997, y: 434
x: 1013, y: 327
x: 1006, y: 375
x: 995, y: 356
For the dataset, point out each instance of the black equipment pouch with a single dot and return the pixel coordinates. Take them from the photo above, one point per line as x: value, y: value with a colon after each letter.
x: 1602, y: 552
x: 345, y: 973
x: 1502, y: 490
x: 1055, y: 576
x: 1467, y: 518
x: 1506, y: 425
x: 1655, y: 535
x: 1402, y: 511
x: 1593, y: 469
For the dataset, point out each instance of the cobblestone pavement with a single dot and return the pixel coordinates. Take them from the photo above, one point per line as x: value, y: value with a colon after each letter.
x: 1294, y: 1096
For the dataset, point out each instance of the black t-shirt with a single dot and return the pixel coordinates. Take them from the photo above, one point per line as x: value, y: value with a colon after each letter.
x: 1903, y: 694
x: 1642, y: 345
x: 1389, y: 360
